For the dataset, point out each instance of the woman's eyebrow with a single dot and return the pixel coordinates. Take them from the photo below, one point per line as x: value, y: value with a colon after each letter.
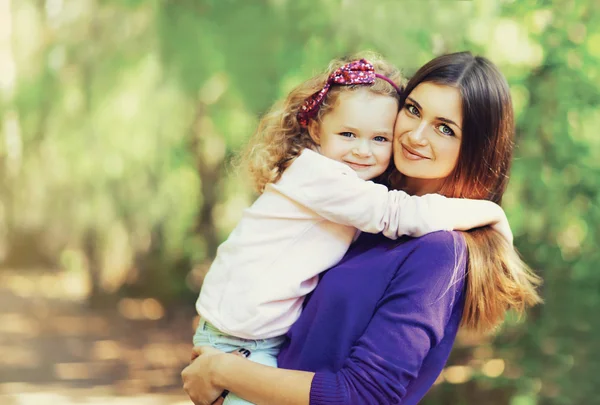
x: 415, y: 102
x: 446, y: 120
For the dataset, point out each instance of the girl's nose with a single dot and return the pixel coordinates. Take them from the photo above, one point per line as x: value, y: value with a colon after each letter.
x: 363, y: 149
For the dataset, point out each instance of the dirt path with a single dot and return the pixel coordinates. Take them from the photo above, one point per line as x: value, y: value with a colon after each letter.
x: 53, y: 349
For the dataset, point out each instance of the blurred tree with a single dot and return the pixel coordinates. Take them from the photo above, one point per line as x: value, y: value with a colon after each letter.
x: 120, y: 118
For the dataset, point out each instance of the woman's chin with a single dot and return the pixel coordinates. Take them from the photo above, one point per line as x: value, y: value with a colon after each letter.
x: 411, y: 169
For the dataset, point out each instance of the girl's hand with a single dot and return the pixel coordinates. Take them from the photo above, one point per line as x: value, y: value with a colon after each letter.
x: 503, y: 227
x: 197, y: 378
x: 465, y: 214
x: 197, y: 351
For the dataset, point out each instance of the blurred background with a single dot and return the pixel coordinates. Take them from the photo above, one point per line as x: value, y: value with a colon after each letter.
x: 118, y: 122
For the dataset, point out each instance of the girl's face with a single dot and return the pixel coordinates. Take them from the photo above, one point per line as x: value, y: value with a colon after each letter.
x: 358, y: 132
x: 427, y: 137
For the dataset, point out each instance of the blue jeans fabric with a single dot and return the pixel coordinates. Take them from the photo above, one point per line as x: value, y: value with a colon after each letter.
x: 263, y: 351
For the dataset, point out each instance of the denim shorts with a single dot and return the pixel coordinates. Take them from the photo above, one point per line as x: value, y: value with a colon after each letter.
x: 263, y: 351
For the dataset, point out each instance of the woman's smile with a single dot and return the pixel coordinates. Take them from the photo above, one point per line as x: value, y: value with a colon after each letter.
x: 412, y: 154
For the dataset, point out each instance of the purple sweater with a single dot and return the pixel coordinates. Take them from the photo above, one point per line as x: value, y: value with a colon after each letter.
x: 380, y: 325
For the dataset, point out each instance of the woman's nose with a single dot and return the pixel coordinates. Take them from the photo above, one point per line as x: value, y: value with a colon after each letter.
x: 418, y: 135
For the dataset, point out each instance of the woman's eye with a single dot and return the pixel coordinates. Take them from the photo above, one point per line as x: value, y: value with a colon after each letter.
x: 347, y: 134
x: 412, y: 109
x: 446, y: 130
x: 380, y: 139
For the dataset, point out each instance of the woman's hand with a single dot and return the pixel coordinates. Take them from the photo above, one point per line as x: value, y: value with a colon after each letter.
x: 198, y: 381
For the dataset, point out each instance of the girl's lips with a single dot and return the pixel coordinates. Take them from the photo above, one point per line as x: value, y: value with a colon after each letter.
x: 357, y: 166
x: 409, y: 154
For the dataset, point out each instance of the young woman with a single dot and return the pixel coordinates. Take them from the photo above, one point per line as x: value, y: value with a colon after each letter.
x: 380, y: 325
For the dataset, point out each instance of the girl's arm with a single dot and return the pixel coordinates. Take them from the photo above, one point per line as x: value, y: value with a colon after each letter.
x: 411, y: 320
x: 469, y: 214
x: 334, y: 191
x: 214, y: 371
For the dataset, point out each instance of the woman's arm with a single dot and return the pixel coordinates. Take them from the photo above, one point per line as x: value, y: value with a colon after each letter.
x: 417, y: 316
x: 214, y: 371
x: 410, y: 320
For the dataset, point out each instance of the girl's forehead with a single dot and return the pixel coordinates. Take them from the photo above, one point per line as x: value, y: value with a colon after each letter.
x: 363, y: 108
x: 361, y: 100
x: 361, y: 96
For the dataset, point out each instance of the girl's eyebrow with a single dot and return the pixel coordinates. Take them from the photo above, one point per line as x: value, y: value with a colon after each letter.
x: 381, y: 132
x: 349, y: 128
x: 446, y: 120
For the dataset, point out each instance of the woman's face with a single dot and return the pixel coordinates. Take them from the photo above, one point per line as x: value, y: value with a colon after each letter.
x: 427, y: 137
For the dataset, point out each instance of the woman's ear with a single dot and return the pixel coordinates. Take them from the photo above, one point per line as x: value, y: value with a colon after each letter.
x: 313, y: 131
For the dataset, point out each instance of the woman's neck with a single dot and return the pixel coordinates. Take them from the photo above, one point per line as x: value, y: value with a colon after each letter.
x: 416, y: 186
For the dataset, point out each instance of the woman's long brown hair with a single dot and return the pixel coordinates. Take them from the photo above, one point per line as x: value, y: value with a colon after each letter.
x: 497, y: 278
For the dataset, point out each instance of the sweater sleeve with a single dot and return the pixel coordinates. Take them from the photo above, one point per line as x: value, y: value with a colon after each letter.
x: 334, y: 191
x: 410, y: 320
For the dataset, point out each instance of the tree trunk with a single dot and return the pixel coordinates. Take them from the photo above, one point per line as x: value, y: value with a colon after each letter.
x: 211, y: 178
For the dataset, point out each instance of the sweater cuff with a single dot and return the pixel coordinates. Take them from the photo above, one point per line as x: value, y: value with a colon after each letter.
x: 326, y: 389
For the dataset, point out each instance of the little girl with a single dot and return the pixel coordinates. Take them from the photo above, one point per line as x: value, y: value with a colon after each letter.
x: 311, y: 159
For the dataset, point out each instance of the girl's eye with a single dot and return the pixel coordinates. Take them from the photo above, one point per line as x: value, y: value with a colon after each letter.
x: 347, y: 134
x: 412, y: 109
x: 446, y: 130
x: 380, y: 139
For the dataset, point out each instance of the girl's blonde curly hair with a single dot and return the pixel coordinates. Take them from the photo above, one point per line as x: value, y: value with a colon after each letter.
x: 280, y: 138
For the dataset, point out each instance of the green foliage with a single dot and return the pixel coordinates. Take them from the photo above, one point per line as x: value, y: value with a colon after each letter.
x: 119, y: 126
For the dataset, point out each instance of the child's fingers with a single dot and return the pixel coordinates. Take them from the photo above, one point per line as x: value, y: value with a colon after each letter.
x: 242, y: 352
x: 194, y: 356
x: 219, y: 401
x: 196, y: 351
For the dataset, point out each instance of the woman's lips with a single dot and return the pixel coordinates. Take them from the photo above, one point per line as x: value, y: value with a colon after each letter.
x: 412, y: 155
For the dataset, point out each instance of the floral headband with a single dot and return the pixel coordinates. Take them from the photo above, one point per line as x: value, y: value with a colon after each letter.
x: 356, y: 72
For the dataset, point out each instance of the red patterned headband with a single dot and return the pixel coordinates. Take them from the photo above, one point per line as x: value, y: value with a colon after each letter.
x: 356, y: 72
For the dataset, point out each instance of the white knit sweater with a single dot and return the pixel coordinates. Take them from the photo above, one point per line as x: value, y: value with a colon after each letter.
x: 299, y: 227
